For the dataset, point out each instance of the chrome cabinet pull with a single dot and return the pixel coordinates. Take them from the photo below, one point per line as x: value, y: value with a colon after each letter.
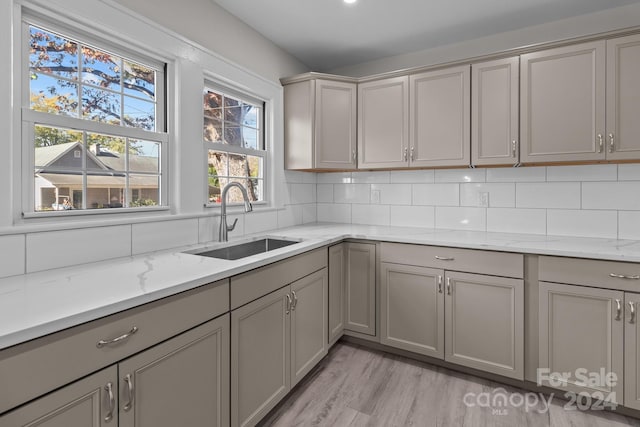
x: 448, y: 285
x: 295, y: 300
x: 600, y: 143
x: 632, y: 308
x: 130, y: 390
x: 102, y: 343
x: 412, y: 154
x: 405, y: 154
x: 439, y: 284
x: 514, y: 146
x: 618, y: 309
x: 112, y: 402
x: 622, y: 276
x: 611, y: 143
x: 444, y: 258
x: 353, y: 155
x: 288, y: 309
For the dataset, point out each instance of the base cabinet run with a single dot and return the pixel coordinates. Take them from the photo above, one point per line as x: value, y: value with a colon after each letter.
x: 276, y: 340
x: 183, y: 381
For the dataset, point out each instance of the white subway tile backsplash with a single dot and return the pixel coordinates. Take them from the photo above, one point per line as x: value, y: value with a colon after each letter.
x: 412, y: 216
x: 290, y: 216
x: 393, y: 194
x: 521, y: 174
x: 611, y: 195
x: 53, y: 249
x: 324, y: 193
x: 351, y: 193
x: 381, y: 177
x: 509, y: 220
x: 302, y: 193
x: 629, y: 225
x: 582, y: 223
x: 207, y: 229
x: 436, y: 194
x: 370, y: 214
x: 629, y: 172
x: 257, y: 222
x: 460, y: 175
x: 501, y: 195
x: 461, y: 218
x: 299, y: 177
x: 12, y: 261
x: 329, y: 212
x: 156, y: 236
x: 334, y: 178
x: 412, y: 177
x: 582, y: 173
x: 309, y: 213
x: 557, y: 195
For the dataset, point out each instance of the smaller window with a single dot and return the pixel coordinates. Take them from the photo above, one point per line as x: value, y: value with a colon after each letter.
x: 233, y: 136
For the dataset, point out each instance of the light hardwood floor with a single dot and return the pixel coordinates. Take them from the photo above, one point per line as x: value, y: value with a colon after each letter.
x: 355, y: 386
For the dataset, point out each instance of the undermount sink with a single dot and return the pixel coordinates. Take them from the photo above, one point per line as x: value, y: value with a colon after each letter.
x: 242, y: 250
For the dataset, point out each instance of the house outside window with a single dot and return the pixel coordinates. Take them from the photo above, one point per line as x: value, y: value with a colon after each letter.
x: 94, y: 125
x: 234, y: 143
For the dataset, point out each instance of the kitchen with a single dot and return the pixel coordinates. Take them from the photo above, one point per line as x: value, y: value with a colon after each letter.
x: 590, y: 205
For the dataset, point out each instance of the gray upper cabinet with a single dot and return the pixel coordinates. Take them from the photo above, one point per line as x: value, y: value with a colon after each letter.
x: 495, y: 108
x: 336, y: 292
x: 440, y: 103
x: 562, y: 103
x: 383, y: 123
x: 320, y: 124
x: 360, y: 288
x: 623, y: 98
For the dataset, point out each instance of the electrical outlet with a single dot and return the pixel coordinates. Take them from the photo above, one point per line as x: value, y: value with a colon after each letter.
x: 483, y: 199
x: 375, y: 196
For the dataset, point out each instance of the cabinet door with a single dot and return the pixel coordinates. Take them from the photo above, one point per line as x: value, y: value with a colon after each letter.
x: 631, y: 351
x: 383, y: 123
x: 562, y: 98
x: 336, y: 292
x: 335, y: 125
x: 494, y: 112
x: 440, y: 118
x: 298, y: 125
x: 360, y: 288
x: 260, y: 351
x: 484, y: 326
x: 91, y: 401
x: 623, y: 98
x: 183, y: 381
x: 308, y: 323
x: 581, y: 328
x: 412, y: 308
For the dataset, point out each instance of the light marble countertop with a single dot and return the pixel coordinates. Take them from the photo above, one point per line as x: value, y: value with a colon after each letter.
x: 37, y: 304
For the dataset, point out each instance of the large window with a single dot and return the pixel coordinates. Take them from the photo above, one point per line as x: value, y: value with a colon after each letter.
x: 94, y: 123
x: 234, y: 142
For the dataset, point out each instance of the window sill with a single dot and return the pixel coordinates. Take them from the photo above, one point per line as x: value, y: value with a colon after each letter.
x: 90, y: 212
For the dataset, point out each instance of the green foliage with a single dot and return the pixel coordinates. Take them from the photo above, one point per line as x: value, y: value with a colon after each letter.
x: 142, y: 202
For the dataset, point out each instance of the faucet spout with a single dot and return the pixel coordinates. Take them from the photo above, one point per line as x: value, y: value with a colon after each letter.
x: 223, y: 234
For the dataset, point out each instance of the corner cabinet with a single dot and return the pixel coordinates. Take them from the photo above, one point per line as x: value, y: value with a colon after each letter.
x: 320, y: 124
x: 360, y: 288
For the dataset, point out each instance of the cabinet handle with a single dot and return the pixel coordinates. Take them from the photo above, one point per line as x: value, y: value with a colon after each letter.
x: 444, y: 258
x: 412, y: 154
x: 611, y: 143
x: 112, y: 402
x: 102, y: 343
x: 514, y: 147
x: 295, y: 300
x: 127, y: 379
x: 353, y: 155
x: 405, y: 154
x: 600, y: 143
x: 622, y: 276
x: 439, y: 284
x: 288, y: 309
x: 618, y: 309
x: 632, y: 308
x: 448, y: 285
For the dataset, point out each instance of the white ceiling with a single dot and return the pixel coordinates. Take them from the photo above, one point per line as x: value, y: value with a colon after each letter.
x: 327, y: 34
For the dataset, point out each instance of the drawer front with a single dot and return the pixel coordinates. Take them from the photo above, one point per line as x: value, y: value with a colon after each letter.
x: 624, y: 276
x: 254, y: 284
x: 65, y: 356
x: 454, y: 259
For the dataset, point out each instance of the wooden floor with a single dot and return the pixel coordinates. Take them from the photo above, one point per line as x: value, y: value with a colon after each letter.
x: 355, y: 386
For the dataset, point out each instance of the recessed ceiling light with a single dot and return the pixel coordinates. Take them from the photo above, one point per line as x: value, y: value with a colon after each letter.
x: 349, y: 1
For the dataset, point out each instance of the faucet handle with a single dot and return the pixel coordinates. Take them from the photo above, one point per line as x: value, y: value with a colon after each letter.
x: 232, y: 226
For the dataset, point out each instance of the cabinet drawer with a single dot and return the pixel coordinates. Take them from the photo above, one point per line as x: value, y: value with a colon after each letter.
x: 252, y: 285
x: 624, y: 276
x: 454, y: 259
x: 36, y: 367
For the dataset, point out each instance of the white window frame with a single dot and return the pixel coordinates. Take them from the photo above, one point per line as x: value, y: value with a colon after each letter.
x: 31, y: 118
x: 217, y: 146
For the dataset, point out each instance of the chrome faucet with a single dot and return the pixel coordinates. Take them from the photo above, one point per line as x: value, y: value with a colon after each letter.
x: 224, y: 228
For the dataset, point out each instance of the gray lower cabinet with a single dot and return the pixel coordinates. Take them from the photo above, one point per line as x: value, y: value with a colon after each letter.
x: 275, y: 341
x: 360, y: 288
x: 412, y: 308
x: 631, y: 352
x: 183, y: 381
x: 336, y: 292
x: 581, y: 332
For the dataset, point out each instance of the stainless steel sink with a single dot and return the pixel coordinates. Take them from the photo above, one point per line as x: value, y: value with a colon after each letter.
x: 242, y: 250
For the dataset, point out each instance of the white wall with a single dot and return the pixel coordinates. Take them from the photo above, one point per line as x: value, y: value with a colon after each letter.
x: 593, y: 23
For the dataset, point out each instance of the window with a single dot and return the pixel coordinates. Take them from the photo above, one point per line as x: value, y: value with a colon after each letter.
x: 93, y: 121
x: 233, y: 136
